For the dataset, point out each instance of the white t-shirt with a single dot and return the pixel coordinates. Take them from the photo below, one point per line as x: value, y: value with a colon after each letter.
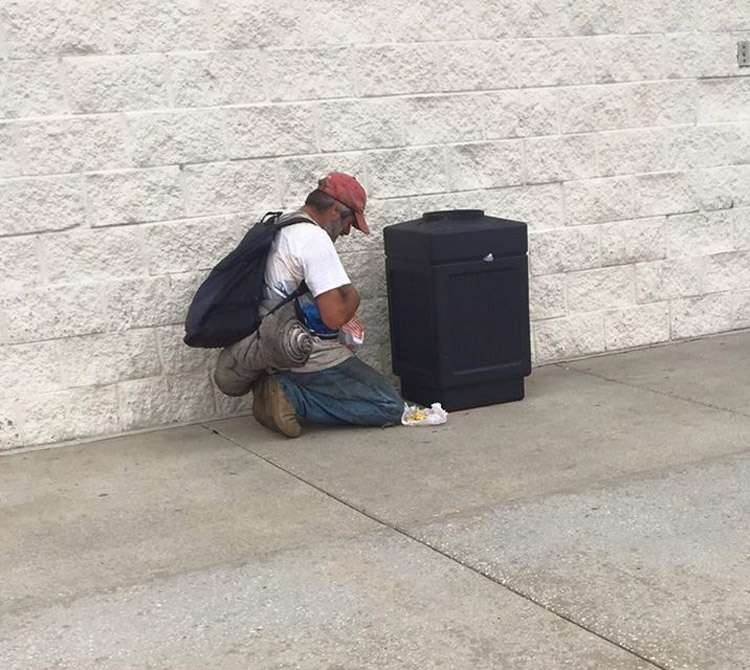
x: 304, y: 251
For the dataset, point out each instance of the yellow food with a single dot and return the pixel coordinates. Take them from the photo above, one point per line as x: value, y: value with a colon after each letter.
x: 418, y: 415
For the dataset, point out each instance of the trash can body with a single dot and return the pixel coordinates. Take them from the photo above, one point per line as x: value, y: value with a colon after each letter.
x: 458, y: 301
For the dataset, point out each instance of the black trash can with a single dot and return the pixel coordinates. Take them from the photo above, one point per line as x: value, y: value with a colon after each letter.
x: 458, y: 301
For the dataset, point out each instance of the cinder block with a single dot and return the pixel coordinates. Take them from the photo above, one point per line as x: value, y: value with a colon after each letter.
x: 595, y: 200
x: 690, y: 147
x: 116, y: 83
x: 366, y: 269
x: 227, y: 406
x: 10, y: 427
x: 437, y: 20
x: 568, y: 337
x: 637, y: 326
x: 393, y: 69
x: 728, y: 272
x: 703, y: 55
x: 664, y: 103
x: 547, y: 296
x: 553, y: 62
x: 19, y: 259
x: 177, y: 357
x: 661, y: 16
x: 693, y: 55
x: 722, y: 187
x: 35, y: 205
x: 374, y: 314
x: 439, y: 119
x: 485, y: 164
x: 31, y: 368
x: 594, y: 17
x: 723, y: 15
x: 723, y: 100
x: 158, y: 25
x: 539, y: 205
x: 462, y: 66
x: 584, y: 109
x: 741, y: 317
x: 607, y: 288
x: 699, y: 234
x: 703, y: 315
x: 134, y: 196
x: 143, y: 303
x: 740, y: 148
x: 407, y: 172
x: 73, y: 413
x: 38, y: 28
x: 10, y: 158
x: 521, y: 113
x: 52, y: 312
x: 506, y: 18
x: 564, y: 250
x: 219, y: 188
x: 618, y: 58
x: 668, y: 279
x: 299, y: 176
x: 184, y: 246
x: 345, y: 125
x: 382, y: 213
x: 30, y: 87
x: 145, y: 403
x: 475, y: 199
x: 314, y: 74
x: 105, y: 359
x: 85, y: 255
x: 182, y: 289
x: 217, y: 78
x: 192, y: 396
x: 664, y: 193
x: 159, y: 401
x: 165, y: 138
x: 561, y: 158
x: 239, y: 25
x: 634, y: 241
x: 632, y: 151
x: 73, y: 144
x: 740, y: 228
x: 273, y: 130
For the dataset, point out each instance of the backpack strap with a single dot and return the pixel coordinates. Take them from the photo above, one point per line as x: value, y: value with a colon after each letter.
x: 302, y: 288
x: 272, y: 219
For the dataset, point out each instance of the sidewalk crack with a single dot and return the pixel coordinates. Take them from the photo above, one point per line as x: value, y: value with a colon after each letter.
x: 409, y: 536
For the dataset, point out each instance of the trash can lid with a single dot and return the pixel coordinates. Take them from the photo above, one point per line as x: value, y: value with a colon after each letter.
x: 455, y: 235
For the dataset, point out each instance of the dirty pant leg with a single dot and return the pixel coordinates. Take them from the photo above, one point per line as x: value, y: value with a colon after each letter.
x: 349, y: 393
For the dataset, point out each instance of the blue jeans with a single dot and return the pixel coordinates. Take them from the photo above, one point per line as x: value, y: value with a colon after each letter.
x: 348, y: 393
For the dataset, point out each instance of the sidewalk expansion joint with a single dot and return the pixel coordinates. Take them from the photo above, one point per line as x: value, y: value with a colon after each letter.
x: 666, y: 394
x: 406, y: 534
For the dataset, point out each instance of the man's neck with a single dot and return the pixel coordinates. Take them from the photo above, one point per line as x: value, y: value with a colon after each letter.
x: 309, y: 211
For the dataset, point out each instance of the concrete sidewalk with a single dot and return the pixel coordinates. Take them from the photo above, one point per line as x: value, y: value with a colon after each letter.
x: 602, y: 523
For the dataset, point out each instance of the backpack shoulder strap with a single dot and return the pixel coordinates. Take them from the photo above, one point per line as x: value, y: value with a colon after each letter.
x: 272, y: 219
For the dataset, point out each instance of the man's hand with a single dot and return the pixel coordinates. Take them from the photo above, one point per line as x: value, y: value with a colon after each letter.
x: 338, y: 305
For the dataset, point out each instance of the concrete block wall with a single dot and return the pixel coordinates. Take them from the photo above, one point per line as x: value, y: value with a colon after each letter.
x: 139, y: 139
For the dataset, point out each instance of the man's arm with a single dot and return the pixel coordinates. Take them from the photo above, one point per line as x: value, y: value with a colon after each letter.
x: 338, y: 305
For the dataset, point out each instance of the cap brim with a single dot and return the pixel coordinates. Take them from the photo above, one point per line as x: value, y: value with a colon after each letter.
x: 360, y: 223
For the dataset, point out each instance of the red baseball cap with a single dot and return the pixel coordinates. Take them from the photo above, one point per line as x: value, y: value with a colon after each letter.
x: 348, y: 191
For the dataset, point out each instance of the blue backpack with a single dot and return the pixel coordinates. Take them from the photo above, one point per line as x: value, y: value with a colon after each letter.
x: 225, y: 306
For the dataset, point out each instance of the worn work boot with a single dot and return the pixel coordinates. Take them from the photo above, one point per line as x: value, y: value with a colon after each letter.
x: 272, y: 409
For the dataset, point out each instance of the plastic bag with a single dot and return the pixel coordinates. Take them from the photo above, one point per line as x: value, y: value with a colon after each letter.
x: 418, y: 416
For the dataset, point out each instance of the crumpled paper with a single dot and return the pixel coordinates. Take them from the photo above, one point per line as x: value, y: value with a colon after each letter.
x: 414, y: 415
